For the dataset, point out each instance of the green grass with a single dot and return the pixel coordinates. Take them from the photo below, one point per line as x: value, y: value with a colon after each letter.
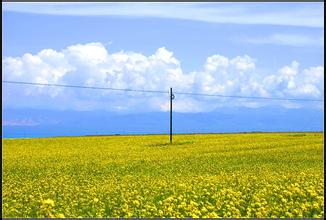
x: 204, y: 175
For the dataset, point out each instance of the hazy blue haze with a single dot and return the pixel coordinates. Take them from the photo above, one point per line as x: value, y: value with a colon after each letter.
x: 71, y: 123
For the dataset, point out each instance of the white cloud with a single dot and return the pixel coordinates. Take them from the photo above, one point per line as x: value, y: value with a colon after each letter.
x: 244, y: 63
x: 297, y: 40
x: 216, y: 62
x: 297, y: 14
x: 222, y: 75
x: 290, y: 81
x: 92, y: 65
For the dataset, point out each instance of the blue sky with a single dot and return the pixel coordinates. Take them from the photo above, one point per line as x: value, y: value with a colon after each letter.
x: 248, y: 49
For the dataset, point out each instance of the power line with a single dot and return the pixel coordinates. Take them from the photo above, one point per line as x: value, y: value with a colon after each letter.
x: 160, y: 91
x: 248, y: 97
x: 84, y: 87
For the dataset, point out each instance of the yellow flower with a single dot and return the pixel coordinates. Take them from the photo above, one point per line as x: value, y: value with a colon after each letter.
x: 48, y: 202
x: 136, y: 202
x: 60, y: 215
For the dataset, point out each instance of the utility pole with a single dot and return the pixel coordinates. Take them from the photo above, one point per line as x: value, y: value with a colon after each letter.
x: 171, y: 98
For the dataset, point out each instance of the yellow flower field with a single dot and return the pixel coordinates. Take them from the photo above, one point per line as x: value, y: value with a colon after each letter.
x: 211, y: 175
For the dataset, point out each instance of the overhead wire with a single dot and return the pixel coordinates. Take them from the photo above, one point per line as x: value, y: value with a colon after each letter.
x: 83, y: 87
x: 162, y: 92
x: 248, y: 97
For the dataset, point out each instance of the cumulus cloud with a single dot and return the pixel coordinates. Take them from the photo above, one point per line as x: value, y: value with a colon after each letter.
x: 93, y: 65
x: 290, y: 82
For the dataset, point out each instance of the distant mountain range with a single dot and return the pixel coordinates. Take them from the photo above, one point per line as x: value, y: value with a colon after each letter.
x: 43, y: 123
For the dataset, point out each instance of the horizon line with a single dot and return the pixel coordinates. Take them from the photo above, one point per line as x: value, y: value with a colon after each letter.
x: 167, y: 134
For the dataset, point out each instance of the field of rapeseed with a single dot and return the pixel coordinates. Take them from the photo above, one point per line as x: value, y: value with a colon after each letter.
x: 220, y: 175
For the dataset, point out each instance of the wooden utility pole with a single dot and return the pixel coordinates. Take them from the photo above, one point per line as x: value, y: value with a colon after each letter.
x: 171, y: 98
